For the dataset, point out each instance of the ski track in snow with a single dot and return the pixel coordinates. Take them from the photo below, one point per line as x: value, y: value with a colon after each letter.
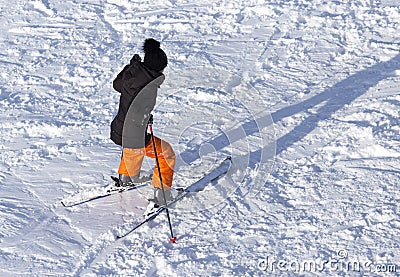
x: 325, y: 72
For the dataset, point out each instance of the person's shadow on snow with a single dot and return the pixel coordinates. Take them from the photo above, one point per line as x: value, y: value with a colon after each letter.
x: 326, y: 103
x: 332, y: 100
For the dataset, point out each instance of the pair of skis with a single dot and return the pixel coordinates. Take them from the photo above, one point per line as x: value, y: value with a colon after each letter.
x: 199, y: 185
x: 220, y: 170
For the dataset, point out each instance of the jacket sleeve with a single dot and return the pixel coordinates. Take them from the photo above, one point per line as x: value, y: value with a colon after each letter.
x: 119, y: 81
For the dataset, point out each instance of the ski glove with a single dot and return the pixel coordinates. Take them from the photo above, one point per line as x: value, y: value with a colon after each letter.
x: 150, y: 122
x: 136, y: 58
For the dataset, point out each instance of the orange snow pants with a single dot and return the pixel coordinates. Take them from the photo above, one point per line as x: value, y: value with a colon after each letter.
x: 132, y: 159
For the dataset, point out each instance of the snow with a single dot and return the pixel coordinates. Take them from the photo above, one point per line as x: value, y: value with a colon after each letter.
x: 303, y: 95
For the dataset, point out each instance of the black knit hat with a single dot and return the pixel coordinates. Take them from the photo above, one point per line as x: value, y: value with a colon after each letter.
x: 154, y: 57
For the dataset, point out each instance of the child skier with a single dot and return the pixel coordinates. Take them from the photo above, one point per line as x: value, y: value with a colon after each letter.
x: 138, y: 83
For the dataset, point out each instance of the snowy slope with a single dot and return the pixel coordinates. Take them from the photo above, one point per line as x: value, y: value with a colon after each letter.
x: 304, y: 95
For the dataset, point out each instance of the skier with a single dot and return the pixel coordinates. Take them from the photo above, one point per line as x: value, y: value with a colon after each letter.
x: 138, y: 83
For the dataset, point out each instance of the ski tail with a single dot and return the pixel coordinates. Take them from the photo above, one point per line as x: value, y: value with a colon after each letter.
x: 218, y: 172
x: 83, y: 196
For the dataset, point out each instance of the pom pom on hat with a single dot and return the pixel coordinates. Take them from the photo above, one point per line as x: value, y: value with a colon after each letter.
x: 154, y: 57
x: 150, y: 45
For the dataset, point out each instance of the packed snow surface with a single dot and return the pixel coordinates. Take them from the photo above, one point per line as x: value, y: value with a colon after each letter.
x: 304, y: 95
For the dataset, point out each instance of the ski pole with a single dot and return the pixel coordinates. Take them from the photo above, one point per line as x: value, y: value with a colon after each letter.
x: 172, y: 239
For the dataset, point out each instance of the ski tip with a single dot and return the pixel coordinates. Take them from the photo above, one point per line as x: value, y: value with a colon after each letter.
x: 173, y: 240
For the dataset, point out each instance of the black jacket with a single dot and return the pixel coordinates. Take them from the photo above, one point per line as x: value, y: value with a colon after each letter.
x: 130, y: 82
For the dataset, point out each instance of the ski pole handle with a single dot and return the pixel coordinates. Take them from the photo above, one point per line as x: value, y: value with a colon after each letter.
x: 150, y: 123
